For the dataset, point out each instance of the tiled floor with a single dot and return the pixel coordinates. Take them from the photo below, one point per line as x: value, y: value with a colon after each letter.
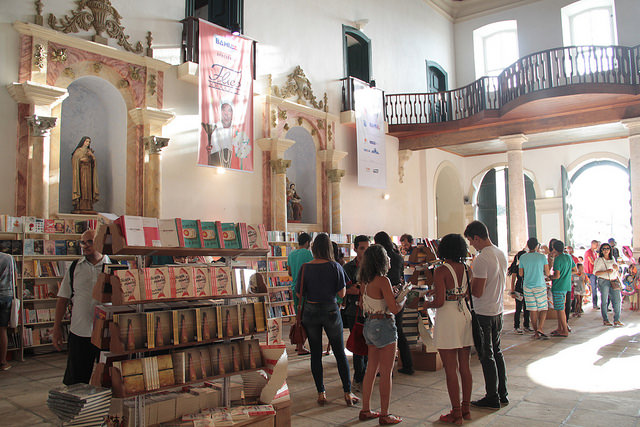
x: 591, y: 378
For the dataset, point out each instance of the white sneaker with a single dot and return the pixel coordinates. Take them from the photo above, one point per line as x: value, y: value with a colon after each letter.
x: 518, y: 331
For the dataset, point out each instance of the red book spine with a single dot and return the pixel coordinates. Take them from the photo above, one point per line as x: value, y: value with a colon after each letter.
x: 180, y: 232
x: 219, y: 233
x: 200, y: 233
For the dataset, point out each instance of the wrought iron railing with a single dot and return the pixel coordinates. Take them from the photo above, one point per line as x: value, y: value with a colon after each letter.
x: 349, y: 87
x: 553, y: 68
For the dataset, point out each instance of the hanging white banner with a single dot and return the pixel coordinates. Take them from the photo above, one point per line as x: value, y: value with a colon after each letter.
x: 372, y: 159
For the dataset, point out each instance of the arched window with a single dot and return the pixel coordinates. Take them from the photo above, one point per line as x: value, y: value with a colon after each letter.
x: 589, y: 23
x: 495, y: 47
x: 357, y: 54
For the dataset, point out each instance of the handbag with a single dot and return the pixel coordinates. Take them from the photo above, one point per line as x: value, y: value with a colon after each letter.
x: 615, y: 284
x: 297, y: 333
x: 356, y: 343
x: 476, y: 329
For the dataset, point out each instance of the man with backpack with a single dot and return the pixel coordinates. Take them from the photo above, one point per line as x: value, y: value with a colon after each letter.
x: 77, y: 289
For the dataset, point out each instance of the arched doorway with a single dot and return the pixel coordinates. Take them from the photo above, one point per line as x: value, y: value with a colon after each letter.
x: 449, y: 202
x: 95, y: 108
x: 357, y: 54
x: 492, y: 206
x: 598, y: 197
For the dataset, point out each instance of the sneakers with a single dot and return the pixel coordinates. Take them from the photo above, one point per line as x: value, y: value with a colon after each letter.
x: 518, y: 331
x: 486, y: 403
x: 607, y: 323
x: 356, y: 386
x: 406, y: 371
x: 504, y: 401
x: 5, y: 367
x: 618, y: 323
x: 529, y: 330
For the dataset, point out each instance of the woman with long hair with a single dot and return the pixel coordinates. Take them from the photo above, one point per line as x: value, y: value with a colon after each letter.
x: 395, y: 275
x: 452, y: 333
x: 320, y: 281
x: 380, y: 333
x: 605, y: 268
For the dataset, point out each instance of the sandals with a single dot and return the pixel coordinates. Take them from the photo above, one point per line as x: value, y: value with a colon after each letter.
x: 466, y: 410
x: 453, y: 417
x: 389, y: 419
x: 368, y: 415
x: 558, y: 334
x: 351, y: 399
x: 322, y: 398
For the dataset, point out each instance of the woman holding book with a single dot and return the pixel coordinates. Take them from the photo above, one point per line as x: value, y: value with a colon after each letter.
x: 379, y: 305
x: 319, y: 281
x: 452, y: 333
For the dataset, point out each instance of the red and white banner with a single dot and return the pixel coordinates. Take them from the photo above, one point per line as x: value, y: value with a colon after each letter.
x: 226, y: 99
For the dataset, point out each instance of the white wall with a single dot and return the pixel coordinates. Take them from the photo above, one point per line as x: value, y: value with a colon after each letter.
x: 539, y: 28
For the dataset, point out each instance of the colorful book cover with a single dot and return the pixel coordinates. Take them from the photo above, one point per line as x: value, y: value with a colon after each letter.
x: 162, y: 326
x: 73, y: 247
x: 188, y: 233
x: 133, y: 330
x: 224, y: 281
x: 130, y: 284
x: 168, y: 233
x: 49, y: 247
x: 69, y: 226
x: 230, y: 235
x: 151, y: 232
x: 50, y: 226
x: 257, y: 236
x: 29, y: 246
x: 182, y: 283
x: 132, y: 229
x: 207, y: 323
x: 60, y: 247
x: 202, y: 281
x: 80, y: 226
x: 243, y: 236
x: 29, y: 224
x: 184, y: 326
x: 38, y: 247
x: 260, y: 316
x: 209, y: 234
x: 230, y: 321
x: 251, y: 356
x: 157, y: 283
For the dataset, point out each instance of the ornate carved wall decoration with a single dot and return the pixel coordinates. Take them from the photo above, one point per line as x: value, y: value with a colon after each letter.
x: 282, y: 114
x: 123, y: 83
x: 58, y: 55
x: 134, y: 73
x: 274, y: 120
x: 299, y: 121
x: 149, y: 51
x: 39, y: 55
x: 97, y: 16
x: 154, y: 144
x: 152, y: 84
x: 40, y: 125
x: 39, y: 18
x: 68, y: 72
x: 97, y: 67
x: 298, y: 85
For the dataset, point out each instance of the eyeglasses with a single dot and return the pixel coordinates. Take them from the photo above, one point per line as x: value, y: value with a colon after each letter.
x: 606, y: 249
x: 86, y: 242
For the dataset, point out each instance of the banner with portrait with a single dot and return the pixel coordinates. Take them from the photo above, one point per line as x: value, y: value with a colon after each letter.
x: 226, y: 99
x: 372, y: 159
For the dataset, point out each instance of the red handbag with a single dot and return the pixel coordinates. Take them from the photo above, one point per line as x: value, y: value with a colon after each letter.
x: 356, y: 343
x: 297, y: 333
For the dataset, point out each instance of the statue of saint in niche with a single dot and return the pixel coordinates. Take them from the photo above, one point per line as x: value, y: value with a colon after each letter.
x: 294, y: 203
x: 85, y: 178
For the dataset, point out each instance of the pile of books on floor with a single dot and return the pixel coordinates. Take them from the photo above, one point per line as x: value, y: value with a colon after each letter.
x: 80, y: 404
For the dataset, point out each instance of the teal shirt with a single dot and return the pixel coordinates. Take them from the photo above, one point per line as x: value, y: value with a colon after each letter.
x: 564, y: 264
x: 295, y: 261
x: 533, y: 265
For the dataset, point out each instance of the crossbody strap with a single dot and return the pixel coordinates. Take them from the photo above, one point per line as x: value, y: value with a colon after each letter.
x: 301, y: 298
x: 466, y: 271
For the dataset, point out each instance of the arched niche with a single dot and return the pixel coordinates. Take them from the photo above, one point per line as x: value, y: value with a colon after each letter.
x: 302, y: 172
x: 96, y: 109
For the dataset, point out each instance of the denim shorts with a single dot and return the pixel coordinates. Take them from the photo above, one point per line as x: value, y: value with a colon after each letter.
x: 380, y: 332
x: 5, y: 310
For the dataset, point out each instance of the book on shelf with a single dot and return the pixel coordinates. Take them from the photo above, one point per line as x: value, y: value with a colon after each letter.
x: 133, y: 330
x: 69, y: 226
x: 210, y: 232
x: 274, y: 330
x: 160, y: 328
x: 257, y: 236
x: 188, y: 233
x: 207, y: 323
x: 49, y: 247
x: 29, y: 269
x: 260, y: 316
x: 132, y: 229
x: 132, y: 378
x: 157, y: 283
x: 54, y: 226
x: 151, y: 232
x: 229, y: 321
x: 130, y: 285
x: 168, y: 233
x: 223, y: 280
x: 202, y: 280
x: 33, y: 225
x: 229, y: 234
x: 184, y: 326
x: 5, y: 246
x: 60, y: 247
x: 182, y: 281
x: 73, y: 247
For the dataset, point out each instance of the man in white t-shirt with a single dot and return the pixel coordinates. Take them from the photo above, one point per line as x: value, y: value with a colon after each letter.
x: 487, y: 288
x: 82, y: 354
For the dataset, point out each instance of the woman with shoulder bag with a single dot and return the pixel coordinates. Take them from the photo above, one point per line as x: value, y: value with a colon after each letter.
x: 380, y: 333
x: 452, y: 333
x: 320, y: 281
x: 605, y: 269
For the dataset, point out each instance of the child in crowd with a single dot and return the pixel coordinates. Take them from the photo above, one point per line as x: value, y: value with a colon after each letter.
x: 632, y: 287
x: 579, y: 282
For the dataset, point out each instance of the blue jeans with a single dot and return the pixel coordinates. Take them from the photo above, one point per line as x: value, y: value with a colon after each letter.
x: 315, y: 318
x: 594, y: 289
x: 493, y: 367
x: 606, y: 292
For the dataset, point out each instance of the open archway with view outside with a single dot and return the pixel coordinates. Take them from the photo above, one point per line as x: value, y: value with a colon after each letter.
x: 599, y: 201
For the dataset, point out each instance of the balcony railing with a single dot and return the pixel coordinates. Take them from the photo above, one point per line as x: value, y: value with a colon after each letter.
x: 553, y: 68
x: 349, y: 87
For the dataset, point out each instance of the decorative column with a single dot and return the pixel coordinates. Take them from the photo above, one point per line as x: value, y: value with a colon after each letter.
x: 275, y: 185
x: 152, y: 176
x: 330, y: 159
x: 279, y: 201
x: 39, y: 129
x: 335, y: 176
x: 634, y: 162
x: 518, y: 230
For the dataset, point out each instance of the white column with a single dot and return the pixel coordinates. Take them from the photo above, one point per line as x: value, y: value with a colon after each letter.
x: 518, y: 233
x: 634, y: 159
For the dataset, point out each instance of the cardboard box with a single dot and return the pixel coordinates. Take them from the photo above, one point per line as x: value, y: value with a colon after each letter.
x: 426, y: 361
x: 187, y: 403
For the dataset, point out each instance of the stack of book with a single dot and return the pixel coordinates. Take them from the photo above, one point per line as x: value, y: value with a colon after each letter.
x: 80, y: 404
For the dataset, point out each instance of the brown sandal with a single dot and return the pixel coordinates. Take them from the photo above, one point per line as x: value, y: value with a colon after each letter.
x: 466, y: 411
x: 389, y: 419
x: 453, y: 417
x: 351, y: 399
x: 368, y: 415
x: 322, y: 398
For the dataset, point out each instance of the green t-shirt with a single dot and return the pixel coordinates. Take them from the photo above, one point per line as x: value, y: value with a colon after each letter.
x: 295, y: 261
x: 564, y: 264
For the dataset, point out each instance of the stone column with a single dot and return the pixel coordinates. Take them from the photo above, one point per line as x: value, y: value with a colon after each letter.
x: 335, y: 176
x: 634, y: 160
x: 518, y: 231
x: 279, y: 201
x: 152, y: 176
x: 38, y: 193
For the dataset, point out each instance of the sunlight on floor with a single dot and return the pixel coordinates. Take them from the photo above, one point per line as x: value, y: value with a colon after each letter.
x: 606, y: 363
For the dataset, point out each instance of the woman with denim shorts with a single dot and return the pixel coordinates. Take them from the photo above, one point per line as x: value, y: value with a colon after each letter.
x: 379, y: 305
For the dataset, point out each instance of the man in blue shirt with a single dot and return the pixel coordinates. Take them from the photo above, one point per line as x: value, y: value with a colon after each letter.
x: 294, y: 262
x: 533, y: 267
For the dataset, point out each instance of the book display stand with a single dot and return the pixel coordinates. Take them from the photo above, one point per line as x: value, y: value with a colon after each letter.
x: 164, y: 340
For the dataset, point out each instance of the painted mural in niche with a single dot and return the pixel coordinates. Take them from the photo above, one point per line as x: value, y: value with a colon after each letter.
x: 85, y: 178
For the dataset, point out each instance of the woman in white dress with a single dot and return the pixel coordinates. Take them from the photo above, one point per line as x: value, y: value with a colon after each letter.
x: 452, y: 330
